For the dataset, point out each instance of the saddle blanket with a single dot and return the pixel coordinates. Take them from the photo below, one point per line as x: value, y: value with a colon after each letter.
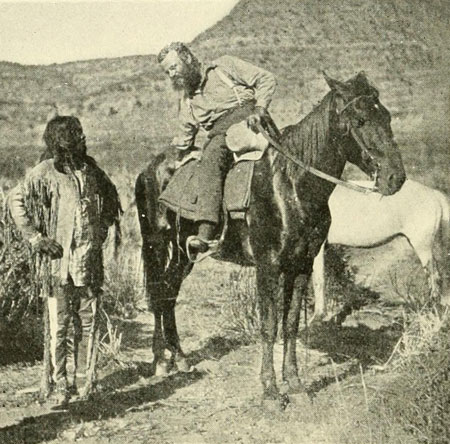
x: 180, y: 194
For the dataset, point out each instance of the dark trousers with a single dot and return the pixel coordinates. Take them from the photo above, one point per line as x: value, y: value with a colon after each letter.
x: 72, y: 314
x: 214, y: 165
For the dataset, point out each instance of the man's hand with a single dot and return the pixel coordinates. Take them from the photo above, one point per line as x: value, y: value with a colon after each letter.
x: 48, y: 246
x: 179, y: 142
x: 257, y: 118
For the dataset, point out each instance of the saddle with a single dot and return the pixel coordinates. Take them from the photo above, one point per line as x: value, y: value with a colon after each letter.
x: 180, y: 194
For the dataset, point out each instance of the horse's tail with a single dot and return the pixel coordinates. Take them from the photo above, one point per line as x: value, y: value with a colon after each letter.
x: 444, y: 240
x: 446, y: 226
x: 147, y: 190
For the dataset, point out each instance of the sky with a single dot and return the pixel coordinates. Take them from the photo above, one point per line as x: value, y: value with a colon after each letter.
x: 37, y: 32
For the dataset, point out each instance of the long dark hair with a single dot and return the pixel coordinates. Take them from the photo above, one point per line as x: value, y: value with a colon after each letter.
x: 62, y: 134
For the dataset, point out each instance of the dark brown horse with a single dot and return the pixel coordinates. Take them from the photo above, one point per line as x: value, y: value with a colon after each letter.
x: 286, y: 223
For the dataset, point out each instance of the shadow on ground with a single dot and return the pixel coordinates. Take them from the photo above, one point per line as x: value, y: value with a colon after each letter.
x: 108, y: 404
x: 356, y: 347
x: 133, y: 334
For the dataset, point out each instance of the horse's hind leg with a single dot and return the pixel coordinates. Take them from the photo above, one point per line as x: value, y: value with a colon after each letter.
x: 159, y: 305
x: 434, y: 280
x: 425, y: 250
x: 174, y: 277
x: 173, y: 344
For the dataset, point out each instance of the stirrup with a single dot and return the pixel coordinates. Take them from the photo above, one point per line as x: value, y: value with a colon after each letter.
x: 212, y: 246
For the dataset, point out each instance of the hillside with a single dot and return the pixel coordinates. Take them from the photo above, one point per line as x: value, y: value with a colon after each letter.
x: 126, y: 103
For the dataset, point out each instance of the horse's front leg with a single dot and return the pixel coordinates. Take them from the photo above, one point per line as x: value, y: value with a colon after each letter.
x: 267, y: 276
x: 293, y: 297
x: 159, y: 345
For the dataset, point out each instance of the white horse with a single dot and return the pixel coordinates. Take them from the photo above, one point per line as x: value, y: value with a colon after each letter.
x: 418, y: 212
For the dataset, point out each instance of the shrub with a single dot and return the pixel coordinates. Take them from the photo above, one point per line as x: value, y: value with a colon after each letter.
x: 20, y: 307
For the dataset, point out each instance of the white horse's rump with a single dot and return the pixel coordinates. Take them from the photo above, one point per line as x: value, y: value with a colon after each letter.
x: 418, y: 212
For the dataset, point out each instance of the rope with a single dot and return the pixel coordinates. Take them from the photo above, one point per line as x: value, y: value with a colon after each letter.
x: 311, y: 169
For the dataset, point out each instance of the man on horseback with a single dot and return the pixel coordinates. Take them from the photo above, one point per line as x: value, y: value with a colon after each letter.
x: 213, y: 97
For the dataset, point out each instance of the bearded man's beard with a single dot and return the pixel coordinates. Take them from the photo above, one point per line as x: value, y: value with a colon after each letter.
x: 188, y: 81
x: 72, y: 158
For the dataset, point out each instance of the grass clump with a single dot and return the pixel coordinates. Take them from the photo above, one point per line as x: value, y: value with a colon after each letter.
x: 20, y: 307
x: 419, y: 395
x: 122, y: 292
x: 240, y: 312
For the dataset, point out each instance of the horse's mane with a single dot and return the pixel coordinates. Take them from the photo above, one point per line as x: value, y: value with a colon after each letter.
x: 306, y: 140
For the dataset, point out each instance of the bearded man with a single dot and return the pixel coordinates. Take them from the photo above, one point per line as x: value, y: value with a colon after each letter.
x: 64, y: 208
x: 213, y: 97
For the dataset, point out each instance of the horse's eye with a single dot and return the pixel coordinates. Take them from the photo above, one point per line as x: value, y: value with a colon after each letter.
x: 360, y: 122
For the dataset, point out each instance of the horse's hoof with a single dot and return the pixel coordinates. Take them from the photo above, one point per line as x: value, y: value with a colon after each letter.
x: 284, y: 401
x: 292, y: 386
x: 300, y: 399
x: 162, y: 369
x: 271, y: 406
x: 270, y: 393
x: 317, y: 319
x: 183, y: 365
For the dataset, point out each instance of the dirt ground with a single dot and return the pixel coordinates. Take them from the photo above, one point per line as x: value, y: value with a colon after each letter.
x: 219, y: 400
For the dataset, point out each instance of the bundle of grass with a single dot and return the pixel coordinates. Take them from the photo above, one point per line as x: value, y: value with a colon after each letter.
x: 240, y: 312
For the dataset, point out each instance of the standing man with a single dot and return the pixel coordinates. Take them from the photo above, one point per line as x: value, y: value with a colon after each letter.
x: 213, y: 97
x: 64, y: 208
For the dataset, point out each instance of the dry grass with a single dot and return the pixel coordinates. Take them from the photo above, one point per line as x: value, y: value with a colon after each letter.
x: 418, y: 394
x: 110, y: 345
x: 122, y: 292
x: 240, y: 312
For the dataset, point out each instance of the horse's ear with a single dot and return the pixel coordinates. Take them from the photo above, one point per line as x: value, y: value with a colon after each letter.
x: 54, y: 112
x: 361, y: 80
x: 361, y: 77
x: 335, y: 85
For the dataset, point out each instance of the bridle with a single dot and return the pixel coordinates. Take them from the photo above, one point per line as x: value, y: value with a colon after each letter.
x: 350, y: 130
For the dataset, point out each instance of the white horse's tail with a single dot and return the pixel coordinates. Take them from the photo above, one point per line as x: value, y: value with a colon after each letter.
x: 444, y: 241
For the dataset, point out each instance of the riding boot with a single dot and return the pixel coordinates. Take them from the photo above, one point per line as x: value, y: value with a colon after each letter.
x: 206, y: 230
x: 200, y: 242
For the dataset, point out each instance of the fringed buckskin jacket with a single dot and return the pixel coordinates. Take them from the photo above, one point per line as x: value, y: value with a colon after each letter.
x: 74, y: 208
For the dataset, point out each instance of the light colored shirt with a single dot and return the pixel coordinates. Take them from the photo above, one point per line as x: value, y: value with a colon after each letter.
x: 81, y: 248
x: 215, y: 97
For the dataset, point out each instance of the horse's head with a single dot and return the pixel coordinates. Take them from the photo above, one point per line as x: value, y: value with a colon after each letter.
x: 368, y: 140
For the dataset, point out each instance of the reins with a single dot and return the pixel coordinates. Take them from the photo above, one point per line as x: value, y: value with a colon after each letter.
x: 277, y: 146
